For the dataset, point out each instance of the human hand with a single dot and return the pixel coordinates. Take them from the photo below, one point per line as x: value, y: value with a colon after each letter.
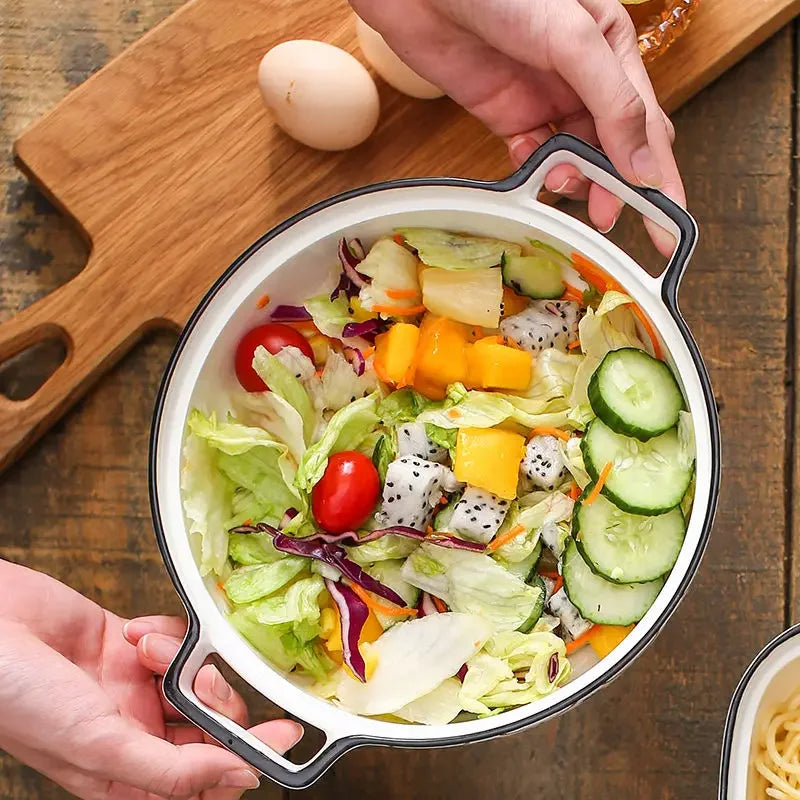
x: 81, y: 704
x: 522, y: 66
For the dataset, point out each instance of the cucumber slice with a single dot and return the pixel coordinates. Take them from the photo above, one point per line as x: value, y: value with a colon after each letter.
x: 646, y: 478
x: 538, y: 277
x: 635, y: 394
x: 526, y: 569
x: 538, y: 607
x: 626, y: 548
x: 602, y: 601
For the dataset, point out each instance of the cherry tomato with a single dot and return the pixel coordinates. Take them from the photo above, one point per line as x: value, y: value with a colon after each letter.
x: 274, y: 337
x: 344, y: 497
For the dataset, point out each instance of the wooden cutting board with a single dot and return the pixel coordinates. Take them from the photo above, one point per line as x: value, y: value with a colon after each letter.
x: 168, y: 162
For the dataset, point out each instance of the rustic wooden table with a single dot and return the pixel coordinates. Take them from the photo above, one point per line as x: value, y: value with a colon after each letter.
x: 76, y: 505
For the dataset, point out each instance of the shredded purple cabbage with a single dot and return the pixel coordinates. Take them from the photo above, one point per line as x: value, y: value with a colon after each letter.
x: 462, y: 673
x: 353, y: 613
x: 426, y: 605
x: 360, y: 328
x: 288, y: 516
x: 350, y: 262
x: 345, y: 285
x: 454, y: 543
x: 552, y: 667
x: 356, y: 359
x: 289, y: 314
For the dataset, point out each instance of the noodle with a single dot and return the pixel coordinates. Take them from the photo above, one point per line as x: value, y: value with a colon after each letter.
x: 778, y: 759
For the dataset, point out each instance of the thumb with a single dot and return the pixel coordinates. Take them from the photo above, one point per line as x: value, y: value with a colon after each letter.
x: 175, y: 771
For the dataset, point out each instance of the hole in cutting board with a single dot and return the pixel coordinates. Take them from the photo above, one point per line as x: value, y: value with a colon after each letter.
x: 23, y: 374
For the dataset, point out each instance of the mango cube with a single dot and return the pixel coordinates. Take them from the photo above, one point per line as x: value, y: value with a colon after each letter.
x: 491, y: 365
x: 606, y: 637
x: 489, y: 458
x: 394, y: 352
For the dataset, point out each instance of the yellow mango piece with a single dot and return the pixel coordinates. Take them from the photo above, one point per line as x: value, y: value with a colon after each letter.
x: 513, y: 303
x: 360, y: 314
x: 332, y: 635
x: 395, y: 351
x: 606, y: 637
x: 489, y: 458
x: 491, y: 365
x: 441, y: 358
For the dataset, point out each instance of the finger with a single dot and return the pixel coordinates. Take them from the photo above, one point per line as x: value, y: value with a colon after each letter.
x: 522, y: 146
x: 175, y: 772
x: 568, y: 181
x: 213, y: 690
x: 604, y: 208
x: 184, y: 734
x: 156, y: 651
x: 134, y: 629
x: 170, y: 713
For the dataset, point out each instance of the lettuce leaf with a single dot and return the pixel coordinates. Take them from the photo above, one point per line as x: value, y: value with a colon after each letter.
x: 484, y: 673
x: 472, y: 583
x: 403, y: 405
x: 573, y: 458
x: 330, y: 316
x: 298, y: 605
x: 341, y: 385
x: 268, y: 410
x: 551, y: 382
x: 346, y: 429
x: 287, y: 386
x: 555, y: 507
x: 444, y: 437
x: 253, y: 548
x: 438, y: 707
x: 384, y: 549
x: 250, y: 583
x: 207, y: 502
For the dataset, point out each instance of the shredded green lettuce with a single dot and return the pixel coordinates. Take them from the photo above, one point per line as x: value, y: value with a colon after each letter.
x: 384, y: 549
x: 346, y: 429
x: 252, y: 548
x: 551, y: 382
x: 341, y: 385
x: 330, y: 316
x: 250, y: 583
x: 403, y: 405
x: 444, y: 437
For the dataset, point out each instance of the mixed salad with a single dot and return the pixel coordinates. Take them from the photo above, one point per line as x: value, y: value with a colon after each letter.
x: 441, y: 480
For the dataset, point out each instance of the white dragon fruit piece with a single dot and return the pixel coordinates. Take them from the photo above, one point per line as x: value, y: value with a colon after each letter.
x: 543, y: 324
x: 543, y: 465
x: 571, y: 620
x: 478, y: 515
x: 412, y: 440
x: 411, y: 492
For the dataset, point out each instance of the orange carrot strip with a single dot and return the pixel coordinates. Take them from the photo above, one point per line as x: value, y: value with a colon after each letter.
x: 553, y: 576
x: 390, y: 611
x: 574, y: 345
x: 574, y: 491
x: 301, y: 325
x: 598, y: 487
x: 591, y: 273
x: 443, y: 501
x: 580, y: 641
x: 399, y: 239
x: 510, y: 534
x: 651, y: 331
x: 429, y: 530
x: 546, y: 430
x: 399, y: 311
x: 262, y: 301
x: 402, y: 294
x: 454, y: 413
x: 440, y: 606
x: 572, y: 293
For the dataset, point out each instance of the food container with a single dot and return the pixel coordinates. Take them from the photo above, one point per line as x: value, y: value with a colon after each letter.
x: 772, y: 677
x: 288, y: 264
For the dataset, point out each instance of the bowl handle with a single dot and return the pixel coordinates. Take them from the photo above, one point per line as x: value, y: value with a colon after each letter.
x: 563, y: 148
x: 178, y: 687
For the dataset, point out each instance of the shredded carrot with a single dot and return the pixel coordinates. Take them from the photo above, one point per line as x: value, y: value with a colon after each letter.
x: 440, y: 606
x: 221, y: 587
x: 454, y: 413
x: 598, y: 487
x: 247, y: 522
x: 429, y: 530
x: 572, y: 293
x: 262, y: 301
x: 647, y: 325
x: 546, y: 430
x: 402, y: 294
x: 399, y: 311
x: 443, y: 500
x: 367, y: 352
x: 583, y: 639
x: 509, y: 342
x: 398, y: 238
x: 574, y: 345
x: 592, y: 274
x: 302, y: 325
x: 553, y: 576
x: 574, y: 491
x: 390, y: 611
x: 510, y: 534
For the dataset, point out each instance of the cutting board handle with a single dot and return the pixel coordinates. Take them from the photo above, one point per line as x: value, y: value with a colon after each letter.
x: 82, y: 315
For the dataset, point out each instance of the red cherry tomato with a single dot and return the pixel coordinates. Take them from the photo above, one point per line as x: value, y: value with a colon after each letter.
x: 274, y: 337
x: 344, y: 497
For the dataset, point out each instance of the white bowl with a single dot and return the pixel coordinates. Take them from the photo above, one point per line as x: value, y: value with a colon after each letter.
x: 287, y: 264
x: 772, y: 677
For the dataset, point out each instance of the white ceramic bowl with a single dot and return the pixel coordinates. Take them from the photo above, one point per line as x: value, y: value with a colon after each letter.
x: 286, y: 264
x: 772, y: 677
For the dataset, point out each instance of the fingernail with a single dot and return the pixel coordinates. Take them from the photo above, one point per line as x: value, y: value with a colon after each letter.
x: 646, y: 167
x: 294, y: 733
x: 134, y: 629
x: 611, y: 226
x: 221, y: 688
x: 570, y: 186
x: 158, y: 648
x: 240, y: 779
x: 521, y: 148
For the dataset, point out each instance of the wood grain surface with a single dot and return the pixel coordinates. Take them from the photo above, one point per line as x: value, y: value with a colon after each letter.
x: 76, y: 505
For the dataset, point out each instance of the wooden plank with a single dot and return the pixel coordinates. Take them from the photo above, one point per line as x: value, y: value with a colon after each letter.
x: 656, y: 731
